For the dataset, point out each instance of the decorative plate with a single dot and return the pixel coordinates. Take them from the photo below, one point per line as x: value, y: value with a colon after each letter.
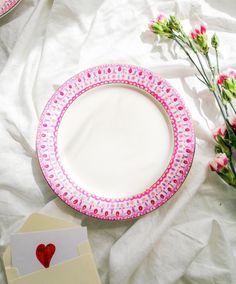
x: 7, y: 5
x: 115, y: 142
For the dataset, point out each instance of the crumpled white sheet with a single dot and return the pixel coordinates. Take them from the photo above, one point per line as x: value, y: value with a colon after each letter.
x: 191, y: 239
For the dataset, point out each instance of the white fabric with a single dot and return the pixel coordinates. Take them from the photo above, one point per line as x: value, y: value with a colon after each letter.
x: 191, y: 239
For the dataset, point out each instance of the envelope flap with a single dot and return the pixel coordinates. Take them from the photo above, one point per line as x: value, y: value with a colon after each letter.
x: 11, y: 272
x: 41, y: 222
x: 7, y: 257
x: 84, y: 248
x: 78, y: 270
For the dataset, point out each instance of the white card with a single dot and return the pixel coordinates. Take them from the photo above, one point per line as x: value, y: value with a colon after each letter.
x: 24, y: 246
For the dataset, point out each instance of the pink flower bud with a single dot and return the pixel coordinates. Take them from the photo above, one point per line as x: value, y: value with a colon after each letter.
x: 150, y: 25
x: 197, y: 32
x: 232, y: 121
x: 230, y: 73
x: 193, y: 35
x: 221, y: 131
x: 221, y: 78
x: 220, y: 162
x: 203, y: 29
x: 213, y: 166
x: 161, y: 17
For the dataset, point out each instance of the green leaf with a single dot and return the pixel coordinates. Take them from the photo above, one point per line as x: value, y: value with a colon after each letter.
x: 174, y: 24
x: 226, y: 96
x: 229, y: 84
x: 223, y: 147
x: 157, y: 28
x: 202, y: 42
x: 227, y: 175
x: 227, y: 142
x: 218, y: 149
x: 231, y: 134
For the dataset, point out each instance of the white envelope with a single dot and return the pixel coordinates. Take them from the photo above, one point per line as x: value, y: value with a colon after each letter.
x: 81, y: 269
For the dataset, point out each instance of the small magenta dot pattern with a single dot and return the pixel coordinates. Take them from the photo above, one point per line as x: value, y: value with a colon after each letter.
x: 7, y: 5
x: 120, y: 208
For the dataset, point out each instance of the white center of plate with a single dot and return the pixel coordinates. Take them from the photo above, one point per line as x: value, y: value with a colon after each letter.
x: 115, y: 141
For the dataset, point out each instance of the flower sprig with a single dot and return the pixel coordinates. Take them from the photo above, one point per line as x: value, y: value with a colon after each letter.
x: 197, y: 46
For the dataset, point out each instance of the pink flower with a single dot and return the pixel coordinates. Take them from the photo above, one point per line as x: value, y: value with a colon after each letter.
x: 193, y: 35
x: 161, y: 18
x: 221, y: 78
x: 150, y: 25
x: 220, y: 162
x: 203, y: 29
x: 232, y: 121
x: 197, y: 32
x: 230, y: 73
x: 221, y: 131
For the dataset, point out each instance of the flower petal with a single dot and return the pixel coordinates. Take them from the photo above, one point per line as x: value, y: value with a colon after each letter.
x: 193, y: 35
x: 203, y: 29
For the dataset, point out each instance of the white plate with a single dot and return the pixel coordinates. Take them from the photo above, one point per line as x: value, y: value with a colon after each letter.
x: 115, y: 141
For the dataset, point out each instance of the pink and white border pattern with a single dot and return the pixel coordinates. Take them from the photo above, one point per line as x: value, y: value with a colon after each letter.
x: 123, y: 208
x: 7, y: 6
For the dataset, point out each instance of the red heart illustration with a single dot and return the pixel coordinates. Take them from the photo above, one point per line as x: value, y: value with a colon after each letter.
x: 45, y: 253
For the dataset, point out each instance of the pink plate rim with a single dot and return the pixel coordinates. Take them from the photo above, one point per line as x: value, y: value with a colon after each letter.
x: 7, y: 6
x: 151, y: 198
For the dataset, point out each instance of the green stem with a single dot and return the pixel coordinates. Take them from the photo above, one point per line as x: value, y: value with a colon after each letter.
x: 203, y: 74
x: 217, y: 61
x: 220, y: 106
x: 213, y: 82
x: 189, y: 56
x: 210, y: 66
x: 200, y: 62
x: 189, y: 44
x: 232, y: 106
x: 201, y: 80
x: 232, y: 167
